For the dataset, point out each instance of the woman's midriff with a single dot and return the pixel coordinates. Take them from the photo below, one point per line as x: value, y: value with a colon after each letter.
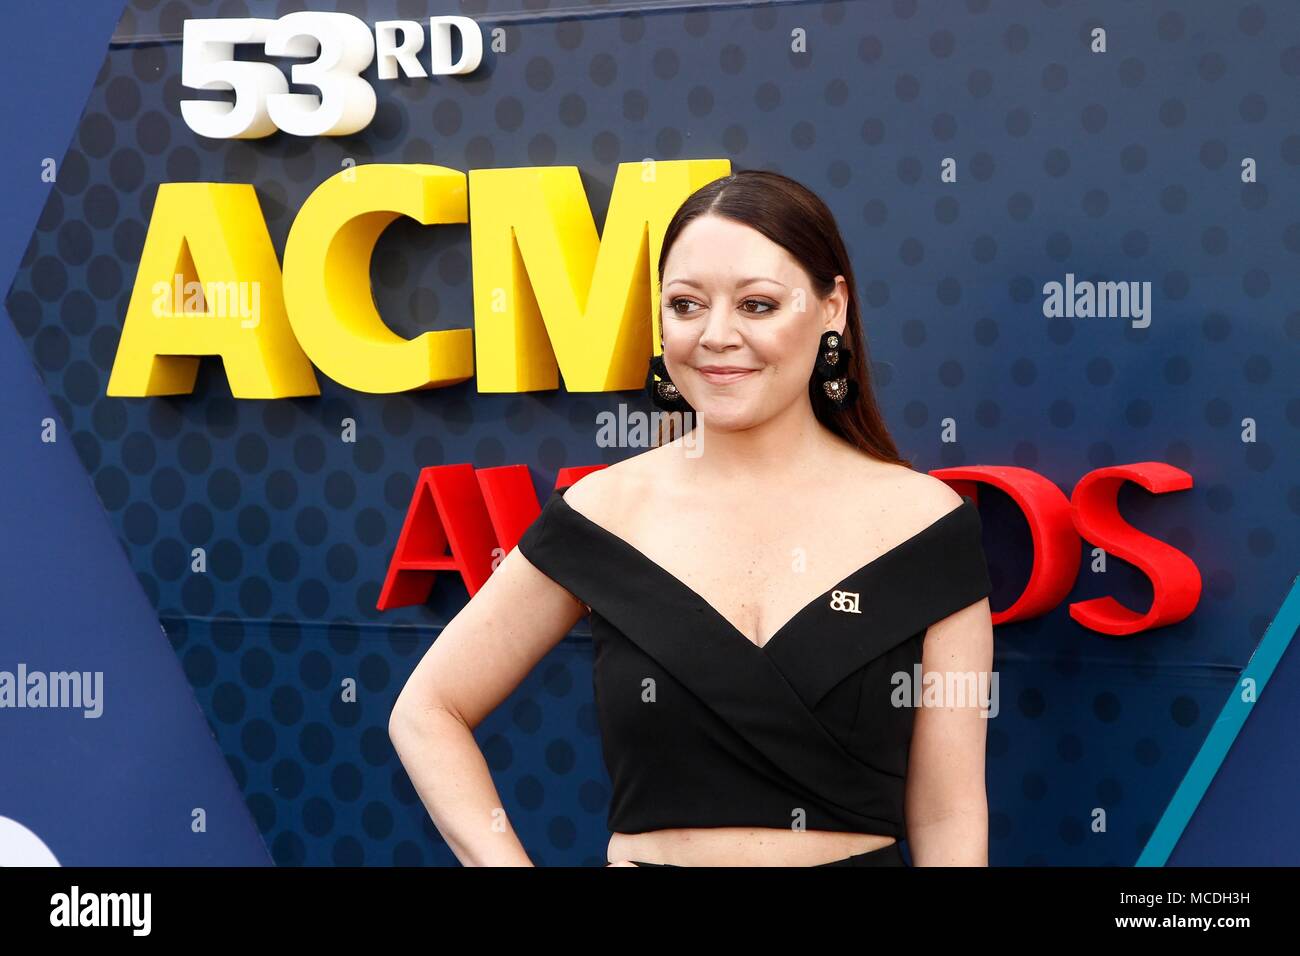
x: 741, y: 846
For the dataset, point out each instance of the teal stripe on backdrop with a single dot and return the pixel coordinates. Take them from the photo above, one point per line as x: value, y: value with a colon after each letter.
x: 1219, y: 741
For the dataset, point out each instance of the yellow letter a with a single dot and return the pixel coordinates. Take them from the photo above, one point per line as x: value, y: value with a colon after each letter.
x: 208, y: 284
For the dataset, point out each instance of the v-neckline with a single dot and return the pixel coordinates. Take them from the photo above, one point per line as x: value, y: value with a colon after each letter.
x: 699, y: 599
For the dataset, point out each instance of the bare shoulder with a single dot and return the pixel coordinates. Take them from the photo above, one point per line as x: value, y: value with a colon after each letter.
x: 907, y: 499
x: 607, y: 495
x: 934, y: 496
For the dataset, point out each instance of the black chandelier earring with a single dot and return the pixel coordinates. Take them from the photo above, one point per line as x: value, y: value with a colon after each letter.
x: 663, y: 392
x: 832, y: 366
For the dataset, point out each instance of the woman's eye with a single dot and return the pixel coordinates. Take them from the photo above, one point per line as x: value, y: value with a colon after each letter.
x: 752, y: 306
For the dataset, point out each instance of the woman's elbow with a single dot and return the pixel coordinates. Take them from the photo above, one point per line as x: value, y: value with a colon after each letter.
x: 413, y: 718
x: 404, y: 720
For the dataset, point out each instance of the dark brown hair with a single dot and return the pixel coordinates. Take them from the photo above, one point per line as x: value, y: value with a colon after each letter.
x: 795, y: 218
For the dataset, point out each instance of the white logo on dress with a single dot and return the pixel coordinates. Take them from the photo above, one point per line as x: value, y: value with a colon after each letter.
x: 845, y: 601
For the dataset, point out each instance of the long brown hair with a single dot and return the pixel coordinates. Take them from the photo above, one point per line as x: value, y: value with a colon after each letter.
x: 795, y: 218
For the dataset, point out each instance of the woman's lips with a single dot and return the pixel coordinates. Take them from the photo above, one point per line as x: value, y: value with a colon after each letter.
x: 723, y: 378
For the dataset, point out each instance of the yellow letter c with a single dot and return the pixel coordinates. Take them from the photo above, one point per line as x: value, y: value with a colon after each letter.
x: 327, y: 278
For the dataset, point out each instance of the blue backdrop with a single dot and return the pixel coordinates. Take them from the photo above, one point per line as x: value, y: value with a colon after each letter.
x: 120, y: 788
x: 1122, y: 166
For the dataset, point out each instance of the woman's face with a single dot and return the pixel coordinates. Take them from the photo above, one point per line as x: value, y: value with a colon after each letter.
x: 732, y: 298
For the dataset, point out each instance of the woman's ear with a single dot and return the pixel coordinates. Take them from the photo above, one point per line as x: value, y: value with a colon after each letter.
x: 837, y: 307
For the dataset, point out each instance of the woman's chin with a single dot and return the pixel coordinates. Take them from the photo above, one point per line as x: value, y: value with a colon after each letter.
x: 728, y: 416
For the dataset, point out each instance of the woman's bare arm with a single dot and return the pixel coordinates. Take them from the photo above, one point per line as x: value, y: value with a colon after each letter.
x: 480, y: 657
x: 946, y: 805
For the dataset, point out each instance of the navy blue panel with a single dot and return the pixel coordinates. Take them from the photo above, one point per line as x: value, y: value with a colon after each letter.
x: 132, y: 784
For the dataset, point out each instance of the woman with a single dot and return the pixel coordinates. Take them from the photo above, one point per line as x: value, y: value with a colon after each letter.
x: 744, y: 720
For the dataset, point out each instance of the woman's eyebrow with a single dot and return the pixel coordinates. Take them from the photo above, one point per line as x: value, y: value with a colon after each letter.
x: 740, y: 284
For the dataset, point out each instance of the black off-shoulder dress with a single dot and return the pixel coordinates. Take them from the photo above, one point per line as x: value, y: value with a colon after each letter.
x: 701, y: 727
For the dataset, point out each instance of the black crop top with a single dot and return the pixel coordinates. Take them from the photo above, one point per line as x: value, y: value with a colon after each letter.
x: 701, y: 727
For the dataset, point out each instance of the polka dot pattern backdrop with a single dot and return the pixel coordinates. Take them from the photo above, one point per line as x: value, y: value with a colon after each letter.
x: 1122, y: 166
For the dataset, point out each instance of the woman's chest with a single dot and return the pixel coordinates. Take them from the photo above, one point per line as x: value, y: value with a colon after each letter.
x: 757, y: 584
x: 827, y: 690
